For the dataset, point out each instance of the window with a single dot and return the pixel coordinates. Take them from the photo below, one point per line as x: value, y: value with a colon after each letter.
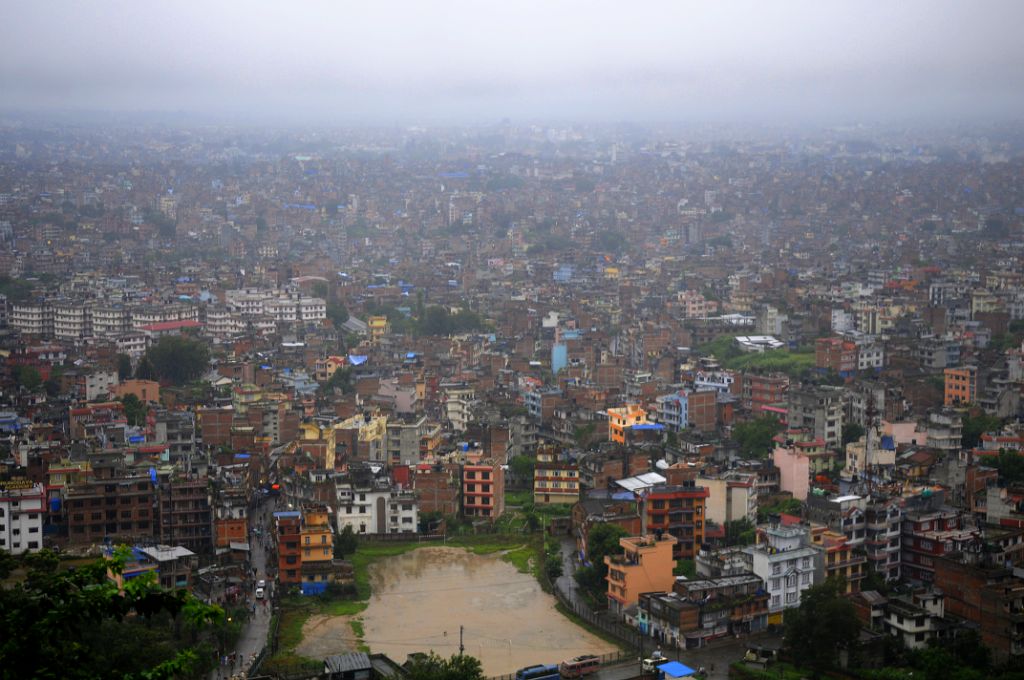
x: 805, y: 579
x: 776, y: 583
x: 776, y: 569
x: 791, y: 598
x: 806, y: 562
x: 776, y: 601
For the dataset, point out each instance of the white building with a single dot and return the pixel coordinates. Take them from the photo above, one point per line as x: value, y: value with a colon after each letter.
x: 785, y: 561
x: 99, y: 384
x: 32, y: 319
x: 22, y: 506
x: 72, y: 320
x: 376, y: 509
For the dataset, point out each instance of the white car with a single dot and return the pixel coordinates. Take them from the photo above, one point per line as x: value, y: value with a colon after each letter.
x: 259, y: 593
x: 261, y: 583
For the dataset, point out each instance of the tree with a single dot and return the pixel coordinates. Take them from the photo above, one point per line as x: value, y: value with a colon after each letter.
x: 337, y: 313
x: 602, y: 540
x: 145, y: 370
x: 340, y: 380
x: 975, y: 426
x: 345, y: 542
x: 755, y: 436
x: 434, y: 667
x: 1011, y: 466
x: 178, y: 359
x: 124, y: 367
x: 134, y: 410
x: 522, y: 467
x: 740, y: 532
x: 28, y: 377
x: 823, y: 624
x: 852, y: 432
x: 58, y: 624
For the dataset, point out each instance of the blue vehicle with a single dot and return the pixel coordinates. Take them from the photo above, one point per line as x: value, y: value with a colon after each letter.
x: 539, y: 672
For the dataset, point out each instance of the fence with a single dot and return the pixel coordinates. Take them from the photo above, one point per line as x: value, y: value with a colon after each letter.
x: 610, y: 658
x: 615, y: 629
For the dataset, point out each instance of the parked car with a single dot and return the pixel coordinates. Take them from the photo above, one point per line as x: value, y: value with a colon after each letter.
x: 259, y: 593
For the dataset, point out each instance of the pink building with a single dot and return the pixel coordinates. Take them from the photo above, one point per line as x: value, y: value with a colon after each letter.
x: 794, y: 471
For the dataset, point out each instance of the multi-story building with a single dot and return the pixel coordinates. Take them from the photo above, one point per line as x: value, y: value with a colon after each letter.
x: 403, y: 439
x: 645, y: 566
x: 938, y: 353
x: 764, y: 391
x: 839, y: 560
x: 928, y: 535
x: 104, y: 421
x: 728, y: 606
x: 678, y: 511
x: 109, y: 320
x: 72, y: 320
x: 316, y: 541
x: 819, y: 410
x: 835, y: 354
x: 883, y: 538
x: 732, y: 496
x: 437, y: 488
x: 288, y: 526
x: 787, y: 563
x: 32, y: 319
x: 555, y: 479
x: 186, y: 518
x: 376, y: 507
x: 989, y: 596
x: 99, y: 384
x: 22, y: 510
x: 483, y: 490
x: 961, y: 386
x: 115, y: 504
x: 175, y: 565
x: 622, y: 418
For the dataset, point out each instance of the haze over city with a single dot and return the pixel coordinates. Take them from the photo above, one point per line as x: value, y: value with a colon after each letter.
x: 472, y: 62
x: 512, y: 341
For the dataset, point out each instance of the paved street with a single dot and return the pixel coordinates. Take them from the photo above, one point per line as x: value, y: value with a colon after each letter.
x: 254, y: 635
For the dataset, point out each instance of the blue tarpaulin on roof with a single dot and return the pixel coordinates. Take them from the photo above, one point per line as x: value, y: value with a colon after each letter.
x: 357, y: 359
x: 152, y: 475
x: 676, y: 669
x: 624, y: 496
x: 888, y: 443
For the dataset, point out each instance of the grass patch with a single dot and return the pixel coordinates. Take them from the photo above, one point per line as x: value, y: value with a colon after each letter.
x: 593, y: 630
x: 519, y: 497
x: 293, y: 618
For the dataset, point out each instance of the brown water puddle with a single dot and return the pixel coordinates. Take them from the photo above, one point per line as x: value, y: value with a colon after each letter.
x: 421, y: 598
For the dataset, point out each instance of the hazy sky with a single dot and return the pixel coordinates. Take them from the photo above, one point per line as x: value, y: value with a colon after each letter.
x: 475, y: 60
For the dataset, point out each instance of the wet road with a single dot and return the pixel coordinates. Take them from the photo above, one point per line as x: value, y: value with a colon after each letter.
x: 254, y: 635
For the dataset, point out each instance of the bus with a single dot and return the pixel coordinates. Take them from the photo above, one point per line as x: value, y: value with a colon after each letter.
x: 579, y: 666
x: 538, y: 672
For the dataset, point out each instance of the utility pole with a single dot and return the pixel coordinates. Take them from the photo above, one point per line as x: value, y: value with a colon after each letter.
x: 462, y: 648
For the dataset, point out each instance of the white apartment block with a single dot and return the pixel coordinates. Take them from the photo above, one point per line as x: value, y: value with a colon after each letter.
x: 22, y: 506
x: 32, y: 319
x: 99, y: 384
x: 786, y: 564
x: 377, y: 510
x: 72, y: 320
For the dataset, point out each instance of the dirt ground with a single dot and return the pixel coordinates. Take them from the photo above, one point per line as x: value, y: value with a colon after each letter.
x: 323, y: 636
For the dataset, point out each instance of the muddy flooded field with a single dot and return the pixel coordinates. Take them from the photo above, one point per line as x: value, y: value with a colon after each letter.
x: 421, y: 598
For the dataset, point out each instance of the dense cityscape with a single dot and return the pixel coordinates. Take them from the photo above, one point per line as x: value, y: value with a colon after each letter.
x: 517, y: 392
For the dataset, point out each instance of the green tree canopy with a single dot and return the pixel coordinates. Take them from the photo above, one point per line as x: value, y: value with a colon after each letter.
x: 124, y: 367
x: 178, y: 359
x: 755, y: 437
x: 522, y: 467
x: 852, y: 432
x: 340, y: 380
x: 975, y: 426
x: 51, y: 624
x: 823, y: 624
x: 28, y: 377
x: 602, y: 540
x: 134, y: 410
x: 434, y: 667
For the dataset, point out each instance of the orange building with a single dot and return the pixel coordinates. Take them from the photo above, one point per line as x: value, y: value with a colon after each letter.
x: 961, y: 386
x: 645, y: 566
x: 144, y: 390
x: 483, y: 490
x: 619, y: 419
x: 289, y: 556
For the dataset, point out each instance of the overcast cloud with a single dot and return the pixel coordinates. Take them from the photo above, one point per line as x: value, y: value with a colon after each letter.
x: 466, y: 60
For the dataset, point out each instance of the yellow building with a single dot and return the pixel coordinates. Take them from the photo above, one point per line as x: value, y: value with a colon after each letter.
x: 554, y: 480
x: 624, y: 417
x: 839, y: 558
x: 645, y: 566
x: 379, y: 327
x: 316, y: 541
x: 319, y: 442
